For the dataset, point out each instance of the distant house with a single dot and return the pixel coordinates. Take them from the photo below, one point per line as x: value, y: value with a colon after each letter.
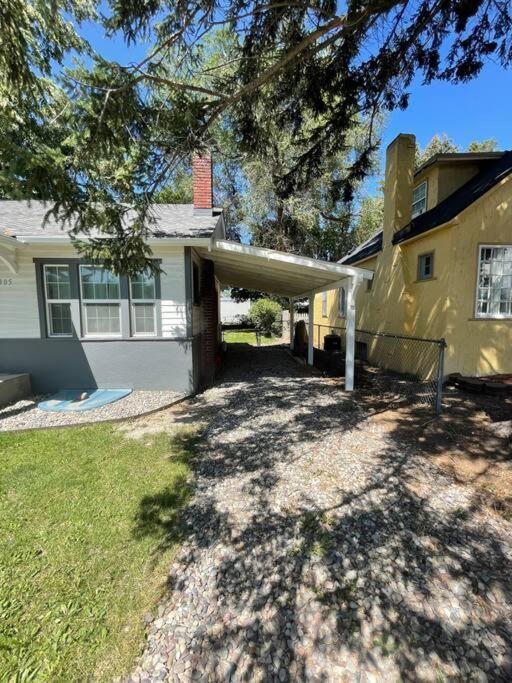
x: 231, y: 310
x: 443, y: 260
x: 73, y: 324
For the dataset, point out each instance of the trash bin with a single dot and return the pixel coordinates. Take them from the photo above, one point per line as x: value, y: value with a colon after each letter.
x: 332, y: 342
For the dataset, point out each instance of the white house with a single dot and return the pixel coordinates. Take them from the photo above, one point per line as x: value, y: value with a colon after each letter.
x: 72, y: 324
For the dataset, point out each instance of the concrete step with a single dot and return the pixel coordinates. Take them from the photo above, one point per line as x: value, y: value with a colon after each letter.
x: 14, y: 387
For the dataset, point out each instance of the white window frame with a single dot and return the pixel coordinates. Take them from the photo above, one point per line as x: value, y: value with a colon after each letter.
x: 324, y: 304
x: 419, y: 275
x: 342, y: 303
x: 49, y: 301
x: 423, y: 199
x: 147, y: 302
x: 85, y: 302
x: 478, y: 314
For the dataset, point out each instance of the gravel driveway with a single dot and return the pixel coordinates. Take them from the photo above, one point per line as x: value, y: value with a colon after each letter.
x: 322, y: 547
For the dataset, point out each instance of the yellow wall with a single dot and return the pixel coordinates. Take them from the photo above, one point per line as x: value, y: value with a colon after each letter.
x: 443, y: 306
x: 443, y: 179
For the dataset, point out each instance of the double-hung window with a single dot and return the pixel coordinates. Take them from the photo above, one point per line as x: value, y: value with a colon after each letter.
x: 143, y: 304
x: 101, y: 302
x: 494, y: 282
x: 419, y: 199
x: 57, y: 287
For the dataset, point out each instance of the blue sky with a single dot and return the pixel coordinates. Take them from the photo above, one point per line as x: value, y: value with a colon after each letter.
x: 470, y: 111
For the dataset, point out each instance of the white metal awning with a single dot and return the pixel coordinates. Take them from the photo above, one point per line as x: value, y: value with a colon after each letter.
x: 277, y: 272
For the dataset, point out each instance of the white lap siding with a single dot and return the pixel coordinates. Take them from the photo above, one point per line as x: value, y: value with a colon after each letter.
x: 172, y: 282
x: 19, y: 311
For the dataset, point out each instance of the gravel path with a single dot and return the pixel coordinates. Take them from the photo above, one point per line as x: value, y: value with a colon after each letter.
x: 26, y: 415
x: 321, y: 547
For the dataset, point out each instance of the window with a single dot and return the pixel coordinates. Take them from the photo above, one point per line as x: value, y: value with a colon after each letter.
x: 426, y: 266
x: 419, y: 199
x: 101, y: 301
x: 369, y: 284
x: 196, y: 285
x: 143, y: 295
x: 57, y: 287
x: 494, y: 282
x: 324, y: 304
x: 343, y: 302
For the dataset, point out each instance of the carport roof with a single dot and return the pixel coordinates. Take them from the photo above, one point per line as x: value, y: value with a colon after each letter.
x: 276, y: 272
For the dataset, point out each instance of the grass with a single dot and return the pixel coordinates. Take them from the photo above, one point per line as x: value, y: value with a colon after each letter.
x: 238, y: 337
x: 89, y: 520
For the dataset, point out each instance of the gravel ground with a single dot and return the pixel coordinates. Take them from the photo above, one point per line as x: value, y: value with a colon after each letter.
x: 322, y: 547
x: 26, y: 415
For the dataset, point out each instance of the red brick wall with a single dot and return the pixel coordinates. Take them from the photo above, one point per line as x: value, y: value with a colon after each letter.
x: 210, y: 322
x: 202, y: 181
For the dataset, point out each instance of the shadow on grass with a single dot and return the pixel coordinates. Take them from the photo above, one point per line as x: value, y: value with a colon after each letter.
x: 385, y: 580
x: 161, y: 515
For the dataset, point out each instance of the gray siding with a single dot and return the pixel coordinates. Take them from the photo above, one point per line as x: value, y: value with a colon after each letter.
x: 72, y: 363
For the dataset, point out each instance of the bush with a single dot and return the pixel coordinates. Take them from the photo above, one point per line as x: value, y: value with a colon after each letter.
x: 265, y: 315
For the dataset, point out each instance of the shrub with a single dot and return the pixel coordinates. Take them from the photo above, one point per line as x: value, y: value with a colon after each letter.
x: 265, y: 315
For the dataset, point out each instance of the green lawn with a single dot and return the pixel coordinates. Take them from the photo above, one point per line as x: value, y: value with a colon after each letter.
x: 237, y: 337
x: 88, y: 526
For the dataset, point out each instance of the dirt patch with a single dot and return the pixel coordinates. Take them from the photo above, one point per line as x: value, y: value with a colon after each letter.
x: 471, y: 440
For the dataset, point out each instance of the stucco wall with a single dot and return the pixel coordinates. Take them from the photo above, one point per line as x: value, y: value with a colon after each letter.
x: 444, y: 179
x: 443, y: 306
x: 72, y: 364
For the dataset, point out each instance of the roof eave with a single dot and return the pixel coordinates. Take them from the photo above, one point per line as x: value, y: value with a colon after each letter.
x: 402, y: 239
x: 66, y: 240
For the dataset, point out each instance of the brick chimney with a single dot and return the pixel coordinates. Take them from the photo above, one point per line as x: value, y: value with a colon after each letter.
x: 398, y: 185
x: 202, y: 176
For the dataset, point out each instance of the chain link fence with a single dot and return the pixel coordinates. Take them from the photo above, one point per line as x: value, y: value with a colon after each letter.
x: 396, y: 365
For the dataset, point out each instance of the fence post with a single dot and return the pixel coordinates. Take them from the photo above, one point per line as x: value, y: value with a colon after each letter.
x: 440, y: 375
x: 291, y: 324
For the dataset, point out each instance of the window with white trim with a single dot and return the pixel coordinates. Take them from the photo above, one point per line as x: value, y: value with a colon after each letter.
x: 426, y: 266
x: 343, y: 303
x: 324, y: 304
x: 419, y: 199
x: 101, y: 301
x: 494, y: 282
x: 57, y: 289
x: 143, y: 305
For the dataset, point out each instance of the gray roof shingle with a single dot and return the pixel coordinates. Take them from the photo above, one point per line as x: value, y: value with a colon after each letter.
x: 369, y: 248
x: 26, y: 219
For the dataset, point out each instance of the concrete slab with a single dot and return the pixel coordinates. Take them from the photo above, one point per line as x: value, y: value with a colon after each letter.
x: 14, y: 387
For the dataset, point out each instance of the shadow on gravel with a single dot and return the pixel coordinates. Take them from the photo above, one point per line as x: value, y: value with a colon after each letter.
x: 382, y: 582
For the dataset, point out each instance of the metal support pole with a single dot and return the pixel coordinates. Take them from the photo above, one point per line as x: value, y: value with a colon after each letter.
x: 311, y: 329
x: 350, y: 339
x: 440, y: 377
x: 292, y: 324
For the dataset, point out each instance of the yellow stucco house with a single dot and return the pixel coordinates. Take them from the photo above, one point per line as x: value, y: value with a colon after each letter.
x: 442, y: 262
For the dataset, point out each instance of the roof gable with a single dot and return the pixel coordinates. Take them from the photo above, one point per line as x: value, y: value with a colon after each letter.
x: 459, y: 200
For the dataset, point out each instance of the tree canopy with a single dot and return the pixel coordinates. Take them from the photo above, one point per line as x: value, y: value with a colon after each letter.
x: 102, y: 139
x: 442, y: 144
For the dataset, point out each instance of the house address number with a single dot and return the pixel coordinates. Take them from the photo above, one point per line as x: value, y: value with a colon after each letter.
x: 6, y: 282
